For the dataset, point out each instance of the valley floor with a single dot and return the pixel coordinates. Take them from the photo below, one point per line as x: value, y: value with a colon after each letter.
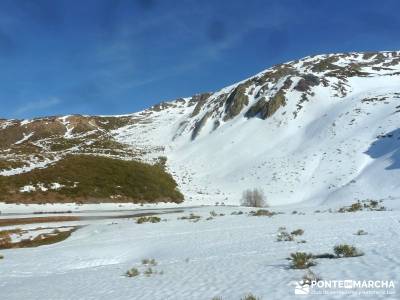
x: 227, y: 256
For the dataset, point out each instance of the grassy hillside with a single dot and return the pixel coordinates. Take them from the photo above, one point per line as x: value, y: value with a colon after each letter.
x: 89, y: 179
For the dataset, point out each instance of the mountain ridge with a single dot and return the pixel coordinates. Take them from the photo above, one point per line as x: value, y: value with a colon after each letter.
x: 275, y: 130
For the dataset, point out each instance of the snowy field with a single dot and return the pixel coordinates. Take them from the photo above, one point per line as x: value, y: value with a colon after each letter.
x: 227, y: 256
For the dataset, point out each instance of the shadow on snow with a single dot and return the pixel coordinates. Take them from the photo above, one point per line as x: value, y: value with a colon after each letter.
x: 387, y: 145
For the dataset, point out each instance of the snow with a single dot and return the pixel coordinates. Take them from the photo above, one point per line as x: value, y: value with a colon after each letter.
x: 31, y: 166
x: 56, y: 186
x: 25, y: 122
x: 322, y: 154
x: 64, y: 120
x: 27, y: 189
x: 41, y: 187
x: 229, y: 256
x: 22, y: 209
x: 341, y: 146
x: 25, y: 138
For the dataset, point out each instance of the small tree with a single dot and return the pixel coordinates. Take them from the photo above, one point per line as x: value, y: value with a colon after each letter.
x: 253, y: 198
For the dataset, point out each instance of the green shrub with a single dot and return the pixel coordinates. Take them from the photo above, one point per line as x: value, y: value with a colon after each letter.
x: 301, y: 260
x: 1, y: 256
x: 94, y: 178
x: 132, y: 272
x: 345, y: 250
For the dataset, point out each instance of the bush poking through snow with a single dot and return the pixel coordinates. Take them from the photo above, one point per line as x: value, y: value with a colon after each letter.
x: 192, y: 217
x: 352, y: 208
x: 5, y: 239
x: 1, y: 256
x: 235, y: 213
x: 301, y: 260
x: 361, y: 232
x: 250, y: 297
x: 262, y: 212
x: 213, y: 213
x: 297, y: 232
x: 151, y: 219
x: 370, y: 205
x: 345, y: 250
x: 149, y: 262
x: 148, y: 271
x: 132, y: 272
x: 253, y: 198
x: 284, y: 236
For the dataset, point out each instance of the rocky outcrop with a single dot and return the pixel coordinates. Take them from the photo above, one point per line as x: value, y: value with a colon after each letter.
x: 265, y: 108
x: 199, y: 100
x: 236, y: 101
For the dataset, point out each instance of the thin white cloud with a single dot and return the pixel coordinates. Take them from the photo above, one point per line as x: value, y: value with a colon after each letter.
x: 35, y: 106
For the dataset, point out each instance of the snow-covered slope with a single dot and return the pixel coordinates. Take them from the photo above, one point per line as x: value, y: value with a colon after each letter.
x: 323, y: 128
x: 227, y: 257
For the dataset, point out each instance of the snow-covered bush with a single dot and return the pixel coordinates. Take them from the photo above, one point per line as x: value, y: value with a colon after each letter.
x: 254, y: 198
x: 284, y: 236
x: 310, y: 276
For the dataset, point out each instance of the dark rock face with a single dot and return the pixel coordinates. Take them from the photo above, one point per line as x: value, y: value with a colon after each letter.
x: 199, y: 125
x: 236, y: 101
x: 200, y: 100
x: 264, y: 108
x: 305, y: 84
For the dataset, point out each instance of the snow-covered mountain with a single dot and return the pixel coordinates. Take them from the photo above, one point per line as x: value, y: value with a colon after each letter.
x: 319, y: 129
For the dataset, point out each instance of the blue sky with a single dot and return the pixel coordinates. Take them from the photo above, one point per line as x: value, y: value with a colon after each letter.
x: 120, y: 56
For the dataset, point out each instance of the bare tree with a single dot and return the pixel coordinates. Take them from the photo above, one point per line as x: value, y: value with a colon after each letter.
x: 253, y: 198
